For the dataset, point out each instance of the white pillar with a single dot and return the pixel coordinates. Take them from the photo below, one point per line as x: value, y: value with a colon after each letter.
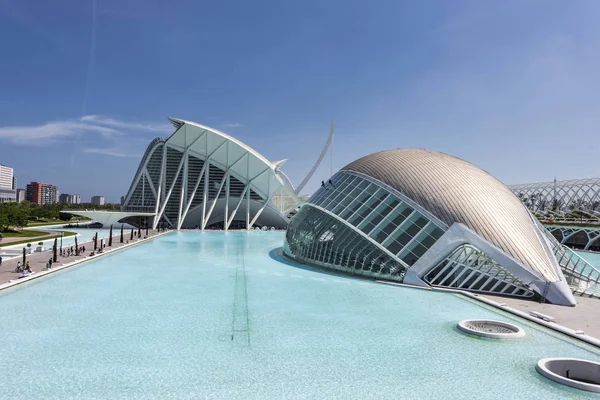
x: 226, y: 200
x: 184, y: 180
x: 248, y: 193
x: 161, y: 185
x: 205, y: 194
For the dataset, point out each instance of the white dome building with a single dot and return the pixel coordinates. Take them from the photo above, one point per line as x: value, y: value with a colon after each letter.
x: 429, y: 219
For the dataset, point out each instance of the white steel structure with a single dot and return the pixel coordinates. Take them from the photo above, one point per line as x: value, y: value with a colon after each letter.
x: 577, y: 194
x: 428, y: 219
x: 580, y: 237
x: 200, y: 178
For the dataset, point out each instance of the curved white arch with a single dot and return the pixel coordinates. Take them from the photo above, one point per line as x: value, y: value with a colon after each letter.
x: 314, y: 168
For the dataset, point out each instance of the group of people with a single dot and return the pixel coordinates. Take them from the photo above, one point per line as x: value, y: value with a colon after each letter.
x: 68, y: 252
x: 25, y: 269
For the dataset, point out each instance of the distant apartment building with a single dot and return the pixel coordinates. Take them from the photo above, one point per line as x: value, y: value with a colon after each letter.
x: 98, y: 200
x: 70, y: 198
x: 7, y: 192
x: 20, y: 195
x: 41, y: 193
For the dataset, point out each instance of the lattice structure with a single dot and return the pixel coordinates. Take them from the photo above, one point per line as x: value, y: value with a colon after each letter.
x: 583, y: 278
x: 586, y: 238
x: 578, y: 194
x: 468, y: 268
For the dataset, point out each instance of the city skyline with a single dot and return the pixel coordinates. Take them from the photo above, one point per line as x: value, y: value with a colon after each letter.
x: 504, y: 86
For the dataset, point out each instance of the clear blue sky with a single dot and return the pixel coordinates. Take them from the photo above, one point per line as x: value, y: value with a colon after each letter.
x: 511, y: 86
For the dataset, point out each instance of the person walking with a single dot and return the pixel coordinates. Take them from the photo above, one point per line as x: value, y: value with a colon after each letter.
x: 50, y: 262
x: 0, y: 261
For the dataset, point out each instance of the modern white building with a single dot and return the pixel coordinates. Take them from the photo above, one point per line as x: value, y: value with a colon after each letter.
x: 20, y: 195
x: 6, y: 177
x: 70, y: 198
x: 202, y: 178
x: 429, y: 219
x: 7, y: 191
x: 98, y: 200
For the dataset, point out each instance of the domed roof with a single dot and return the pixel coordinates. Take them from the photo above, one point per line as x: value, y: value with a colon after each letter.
x: 457, y: 191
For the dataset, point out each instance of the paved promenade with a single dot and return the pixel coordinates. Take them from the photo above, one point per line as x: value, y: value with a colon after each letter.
x: 585, y: 316
x: 38, y: 260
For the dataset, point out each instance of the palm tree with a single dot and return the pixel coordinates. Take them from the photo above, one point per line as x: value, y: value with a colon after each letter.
x: 110, y: 237
x: 76, y: 247
x: 54, y: 252
x: 121, y: 233
x: 131, y: 237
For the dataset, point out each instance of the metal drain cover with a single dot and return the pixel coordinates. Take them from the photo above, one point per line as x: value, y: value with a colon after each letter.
x: 491, y: 329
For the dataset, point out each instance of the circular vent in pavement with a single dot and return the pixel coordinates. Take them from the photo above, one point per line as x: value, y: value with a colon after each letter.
x: 491, y: 329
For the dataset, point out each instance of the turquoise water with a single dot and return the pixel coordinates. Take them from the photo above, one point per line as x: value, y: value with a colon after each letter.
x: 218, y: 315
x: 592, y: 258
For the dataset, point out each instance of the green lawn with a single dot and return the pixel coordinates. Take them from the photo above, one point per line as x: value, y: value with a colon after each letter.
x: 34, y: 242
x: 41, y: 222
x: 23, y: 233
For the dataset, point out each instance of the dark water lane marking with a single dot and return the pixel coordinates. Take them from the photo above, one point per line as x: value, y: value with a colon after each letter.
x: 240, y: 333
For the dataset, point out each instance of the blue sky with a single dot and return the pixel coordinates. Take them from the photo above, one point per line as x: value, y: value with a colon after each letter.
x: 511, y: 86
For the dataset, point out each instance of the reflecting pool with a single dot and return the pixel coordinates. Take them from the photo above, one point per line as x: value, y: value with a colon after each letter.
x: 221, y: 315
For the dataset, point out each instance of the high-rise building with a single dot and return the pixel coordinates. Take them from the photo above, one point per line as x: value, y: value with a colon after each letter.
x: 20, y: 195
x: 6, y: 177
x: 70, y: 198
x: 7, y: 192
x: 41, y: 193
x: 98, y: 200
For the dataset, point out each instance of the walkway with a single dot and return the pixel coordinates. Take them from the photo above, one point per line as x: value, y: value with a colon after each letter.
x: 38, y: 260
x: 585, y: 316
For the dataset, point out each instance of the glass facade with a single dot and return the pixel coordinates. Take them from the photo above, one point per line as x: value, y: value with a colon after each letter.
x: 378, y: 232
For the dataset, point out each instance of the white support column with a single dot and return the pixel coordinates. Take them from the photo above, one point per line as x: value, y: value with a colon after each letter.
x: 162, y: 209
x: 205, y: 194
x: 237, y: 206
x: 183, y: 189
x: 212, y: 206
x: 248, y: 194
x: 264, y: 205
x: 191, y: 198
x: 161, y: 186
x: 225, y: 224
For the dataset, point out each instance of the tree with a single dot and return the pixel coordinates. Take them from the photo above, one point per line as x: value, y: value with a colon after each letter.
x: 96, y: 241
x: 3, y: 221
x: 65, y: 216
x: 131, y: 238
x: 54, y: 252
x: 76, y: 247
x: 121, y: 233
x: 20, y: 219
x: 110, y: 237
